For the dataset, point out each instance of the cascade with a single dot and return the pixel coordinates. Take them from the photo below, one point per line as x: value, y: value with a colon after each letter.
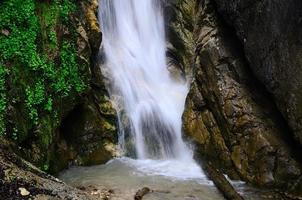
x: 134, y: 45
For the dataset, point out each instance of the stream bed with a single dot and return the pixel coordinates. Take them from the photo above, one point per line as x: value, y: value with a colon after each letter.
x: 168, y: 180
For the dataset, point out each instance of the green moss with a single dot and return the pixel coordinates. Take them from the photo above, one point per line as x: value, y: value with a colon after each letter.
x: 68, y: 76
x: 2, y: 99
x: 38, y: 66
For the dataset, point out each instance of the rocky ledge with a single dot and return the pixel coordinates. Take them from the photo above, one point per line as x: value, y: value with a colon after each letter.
x: 20, y: 180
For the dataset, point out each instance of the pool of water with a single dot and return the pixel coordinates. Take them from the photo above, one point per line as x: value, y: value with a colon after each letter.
x: 168, y: 180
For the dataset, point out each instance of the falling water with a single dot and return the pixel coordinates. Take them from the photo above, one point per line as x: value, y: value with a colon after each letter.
x: 140, y: 84
x: 152, y: 102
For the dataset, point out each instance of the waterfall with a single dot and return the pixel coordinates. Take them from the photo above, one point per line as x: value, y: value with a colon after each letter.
x: 140, y: 85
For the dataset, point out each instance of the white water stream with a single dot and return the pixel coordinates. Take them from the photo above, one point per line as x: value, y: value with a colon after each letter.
x: 134, y: 44
x: 142, y: 88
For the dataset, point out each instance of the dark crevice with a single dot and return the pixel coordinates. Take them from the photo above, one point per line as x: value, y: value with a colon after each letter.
x: 68, y: 122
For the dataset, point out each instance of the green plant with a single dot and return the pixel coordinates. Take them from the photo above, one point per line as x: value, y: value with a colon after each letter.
x: 38, y: 66
x: 45, y: 167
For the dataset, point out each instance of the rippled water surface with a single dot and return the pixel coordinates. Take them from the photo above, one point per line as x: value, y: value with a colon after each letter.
x: 169, y: 180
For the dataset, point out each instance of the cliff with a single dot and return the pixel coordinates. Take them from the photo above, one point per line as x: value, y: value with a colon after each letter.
x: 241, y: 112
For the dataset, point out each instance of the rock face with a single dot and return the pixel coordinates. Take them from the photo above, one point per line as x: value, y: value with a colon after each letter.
x: 229, y: 115
x: 79, y: 128
x: 271, y: 35
x: 179, y: 20
x: 88, y: 133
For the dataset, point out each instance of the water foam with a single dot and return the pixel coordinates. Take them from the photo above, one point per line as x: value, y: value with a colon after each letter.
x: 148, y: 100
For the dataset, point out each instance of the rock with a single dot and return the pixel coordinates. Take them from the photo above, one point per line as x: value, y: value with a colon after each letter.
x: 5, y: 32
x: 18, y: 175
x: 275, y: 53
x: 88, y: 137
x: 177, y: 72
x: 24, y: 192
x: 90, y: 8
x: 180, y: 23
x: 141, y: 193
x: 221, y: 182
x: 102, y: 193
x: 229, y: 115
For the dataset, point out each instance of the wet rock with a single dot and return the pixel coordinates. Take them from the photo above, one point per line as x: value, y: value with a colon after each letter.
x: 141, y: 193
x: 177, y: 71
x: 229, y: 115
x: 180, y: 23
x: 222, y: 183
x: 104, y: 194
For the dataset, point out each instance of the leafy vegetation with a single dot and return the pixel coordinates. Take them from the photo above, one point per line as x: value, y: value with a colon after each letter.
x: 38, y: 66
